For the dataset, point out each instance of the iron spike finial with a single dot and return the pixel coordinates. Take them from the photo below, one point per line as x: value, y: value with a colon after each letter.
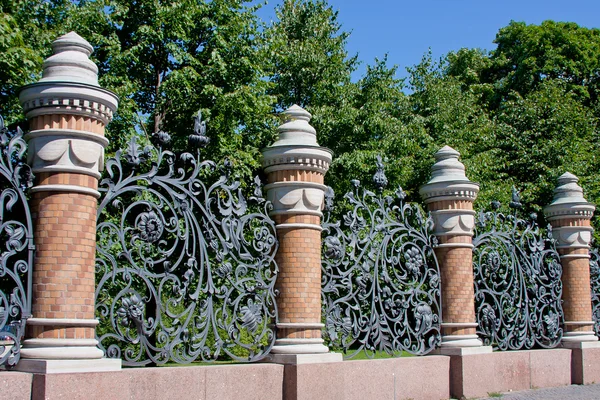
x: 379, y: 179
x: 198, y: 138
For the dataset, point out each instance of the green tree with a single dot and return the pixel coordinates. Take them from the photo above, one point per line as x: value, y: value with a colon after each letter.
x: 527, y: 55
x: 27, y: 28
x: 306, y: 50
x: 169, y: 59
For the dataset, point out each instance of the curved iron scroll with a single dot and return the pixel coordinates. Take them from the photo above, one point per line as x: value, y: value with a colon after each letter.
x: 185, y: 270
x: 517, y: 274
x: 380, y: 275
x: 16, y: 244
x: 595, y: 281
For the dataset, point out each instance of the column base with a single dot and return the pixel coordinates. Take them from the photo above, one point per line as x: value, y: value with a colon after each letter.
x: 68, y: 366
x: 460, y: 341
x: 61, y: 349
x: 296, y: 359
x: 299, y: 346
x: 463, y: 351
x: 576, y: 337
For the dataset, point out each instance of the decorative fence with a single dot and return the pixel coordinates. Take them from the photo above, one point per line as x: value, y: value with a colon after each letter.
x: 185, y: 261
x: 381, y: 279
x: 16, y: 241
x: 186, y: 265
x: 517, y: 276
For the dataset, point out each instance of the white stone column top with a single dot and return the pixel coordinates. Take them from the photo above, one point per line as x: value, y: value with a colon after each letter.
x: 568, y: 200
x: 296, y: 130
x: 69, y: 83
x: 70, y: 61
x: 296, y: 146
x: 448, y: 180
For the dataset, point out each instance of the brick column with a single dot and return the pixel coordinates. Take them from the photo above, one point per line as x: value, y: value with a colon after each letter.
x: 449, y: 196
x: 296, y: 165
x: 67, y: 113
x: 570, y: 214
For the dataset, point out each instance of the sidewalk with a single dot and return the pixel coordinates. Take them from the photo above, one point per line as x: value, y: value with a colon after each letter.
x: 573, y: 392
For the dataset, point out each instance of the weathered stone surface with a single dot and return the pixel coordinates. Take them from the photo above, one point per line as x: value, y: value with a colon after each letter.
x: 15, y: 385
x: 255, y: 381
x: 399, y: 378
x: 480, y: 374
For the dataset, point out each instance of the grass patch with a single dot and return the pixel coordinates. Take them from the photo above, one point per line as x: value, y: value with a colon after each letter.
x: 495, y: 394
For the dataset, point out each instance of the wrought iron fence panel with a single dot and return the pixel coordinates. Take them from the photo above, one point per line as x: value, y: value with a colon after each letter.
x: 517, y: 276
x: 16, y: 244
x: 595, y: 281
x: 185, y: 268
x: 380, y: 275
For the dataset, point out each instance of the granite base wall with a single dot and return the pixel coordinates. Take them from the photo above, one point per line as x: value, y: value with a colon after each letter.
x: 398, y: 378
x: 255, y: 381
x: 430, y: 377
x: 15, y: 385
x: 585, y: 367
x: 478, y: 375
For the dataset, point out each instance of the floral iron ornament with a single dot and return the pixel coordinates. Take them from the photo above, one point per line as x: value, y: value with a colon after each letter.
x: 16, y: 244
x: 380, y: 275
x: 517, y: 276
x: 185, y: 268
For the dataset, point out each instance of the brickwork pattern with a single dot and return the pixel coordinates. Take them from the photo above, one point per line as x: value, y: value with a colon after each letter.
x: 65, y: 240
x: 65, y: 233
x: 299, y: 281
x: 65, y: 121
x: 61, y: 178
x: 451, y: 205
x: 456, y: 267
x: 295, y: 175
x: 577, y: 304
x: 571, y: 222
x: 59, y: 332
x: 299, y: 261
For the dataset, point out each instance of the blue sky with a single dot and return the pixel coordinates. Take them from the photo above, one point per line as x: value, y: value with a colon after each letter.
x: 406, y: 29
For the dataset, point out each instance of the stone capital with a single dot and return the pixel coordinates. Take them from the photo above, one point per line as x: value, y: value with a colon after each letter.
x: 570, y: 205
x: 69, y: 84
x: 296, y: 147
x: 453, y: 222
x: 448, y: 180
x: 568, y: 201
x: 61, y: 141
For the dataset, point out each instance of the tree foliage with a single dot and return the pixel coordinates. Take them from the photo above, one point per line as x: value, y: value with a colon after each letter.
x: 521, y: 114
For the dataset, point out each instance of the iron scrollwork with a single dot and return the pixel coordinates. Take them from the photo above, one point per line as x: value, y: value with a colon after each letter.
x: 595, y: 281
x: 517, y: 276
x: 380, y: 275
x: 16, y: 244
x: 185, y: 269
